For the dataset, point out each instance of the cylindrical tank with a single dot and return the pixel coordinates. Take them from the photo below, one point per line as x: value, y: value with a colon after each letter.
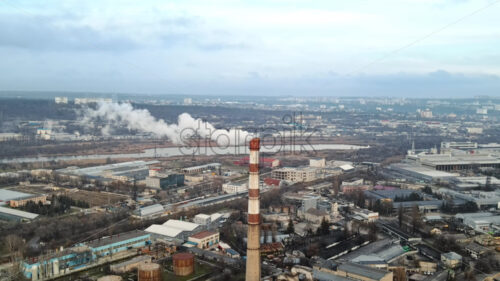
x: 110, y: 278
x: 183, y: 264
x: 149, y: 272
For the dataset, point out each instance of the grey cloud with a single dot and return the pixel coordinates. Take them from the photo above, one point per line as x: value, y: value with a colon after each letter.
x: 44, y: 33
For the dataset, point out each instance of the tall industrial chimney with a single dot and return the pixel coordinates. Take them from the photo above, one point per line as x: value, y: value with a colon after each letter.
x: 253, y: 238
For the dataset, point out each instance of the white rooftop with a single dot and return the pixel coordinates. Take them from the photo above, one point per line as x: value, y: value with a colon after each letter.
x: 183, y: 225
x: 156, y: 208
x: 18, y: 213
x: 215, y: 216
x: 202, y: 216
x: 163, y: 230
x: 6, y: 195
x: 346, y: 167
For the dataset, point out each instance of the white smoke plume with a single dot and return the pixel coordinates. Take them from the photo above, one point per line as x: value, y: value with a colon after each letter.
x: 124, y: 115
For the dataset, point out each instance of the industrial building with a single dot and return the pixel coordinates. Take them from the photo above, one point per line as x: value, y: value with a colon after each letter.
x: 151, y: 211
x: 6, y: 195
x: 231, y: 188
x: 174, y: 229
x: 484, y: 222
x: 419, y: 173
x: 16, y: 215
x: 295, y: 174
x: 205, y: 239
x: 113, y: 244
x: 216, y: 167
x: 202, y: 219
x: 483, y: 199
x: 165, y: 181
x: 125, y: 171
x: 353, y: 271
x: 455, y: 162
x: 83, y: 255
x: 317, y: 162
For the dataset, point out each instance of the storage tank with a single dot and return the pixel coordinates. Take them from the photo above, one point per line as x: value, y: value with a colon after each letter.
x: 110, y: 278
x: 149, y: 272
x: 183, y: 264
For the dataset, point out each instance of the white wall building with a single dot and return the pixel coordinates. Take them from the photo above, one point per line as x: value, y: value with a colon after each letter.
x: 295, y: 174
x: 234, y: 187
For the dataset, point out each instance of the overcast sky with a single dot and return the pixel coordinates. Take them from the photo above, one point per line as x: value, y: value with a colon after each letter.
x: 268, y: 47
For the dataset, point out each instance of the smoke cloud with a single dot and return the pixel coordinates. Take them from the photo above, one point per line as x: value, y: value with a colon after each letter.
x: 124, y: 115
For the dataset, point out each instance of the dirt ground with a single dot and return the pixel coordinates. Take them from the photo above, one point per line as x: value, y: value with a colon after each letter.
x: 94, y: 198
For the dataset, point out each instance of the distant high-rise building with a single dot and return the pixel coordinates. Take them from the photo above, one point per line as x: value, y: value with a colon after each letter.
x: 426, y: 113
x: 63, y: 100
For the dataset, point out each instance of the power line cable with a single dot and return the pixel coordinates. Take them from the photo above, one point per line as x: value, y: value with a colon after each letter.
x: 418, y: 40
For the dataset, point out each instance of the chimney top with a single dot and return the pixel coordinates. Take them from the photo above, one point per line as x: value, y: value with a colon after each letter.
x: 255, y: 144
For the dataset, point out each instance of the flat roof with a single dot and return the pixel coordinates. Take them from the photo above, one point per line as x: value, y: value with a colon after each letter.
x: 7, y: 195
x: 202, y: 216
x: 183, y: 225
x: 152, y: 209
x: 164, y: 230
x: 422, y: 170
x: 446, y: 159
x: 362, y: 270
x: 18, y: 213
x: 115, y: 238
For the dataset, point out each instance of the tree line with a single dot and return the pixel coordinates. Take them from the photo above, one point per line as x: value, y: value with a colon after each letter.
x: 59, y: 205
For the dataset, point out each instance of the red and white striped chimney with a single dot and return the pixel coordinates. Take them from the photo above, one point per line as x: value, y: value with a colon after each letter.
x: 253, y: 270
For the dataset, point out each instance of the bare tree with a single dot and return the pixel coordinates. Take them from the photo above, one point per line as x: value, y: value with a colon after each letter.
x: 14, y: 245
x: 416, y: 220
x: 400, y: 215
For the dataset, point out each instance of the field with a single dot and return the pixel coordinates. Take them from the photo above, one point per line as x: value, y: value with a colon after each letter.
x: 95, y: 198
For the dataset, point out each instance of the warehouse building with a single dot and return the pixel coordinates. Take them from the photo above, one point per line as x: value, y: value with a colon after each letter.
x: 483, y: 199
x: 174, y: 229
x: 6, y: 195
x: 125, y: 171
x: 453, y: 162
x: 151, y: 211
x: 482, y: 222
x: 83, y: 255
x: 419, y: 173
x: 16, y: 215
x: 216, y: 167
